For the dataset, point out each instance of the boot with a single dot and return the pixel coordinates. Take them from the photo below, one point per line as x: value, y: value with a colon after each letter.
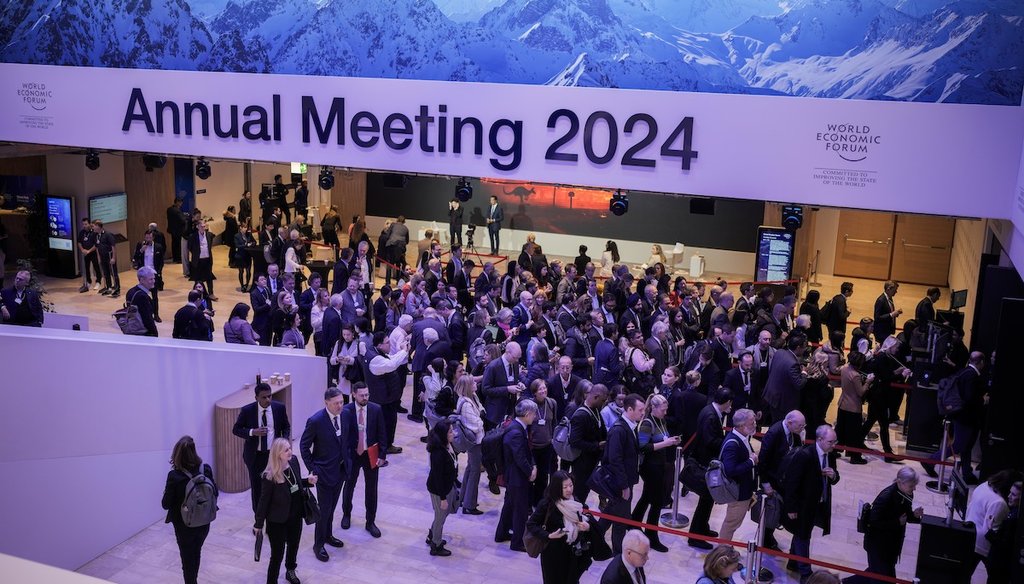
x: 440, y: 550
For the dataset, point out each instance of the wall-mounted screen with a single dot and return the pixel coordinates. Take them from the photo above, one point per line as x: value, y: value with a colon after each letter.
x: 774, y: 254
x: 109, y: 208
x: 60, y: 213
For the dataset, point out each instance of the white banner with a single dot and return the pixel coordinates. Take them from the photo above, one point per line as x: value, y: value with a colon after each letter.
x: 916, y: 157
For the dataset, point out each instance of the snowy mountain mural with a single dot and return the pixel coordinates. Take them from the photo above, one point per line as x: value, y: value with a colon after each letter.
x: 965, y: 51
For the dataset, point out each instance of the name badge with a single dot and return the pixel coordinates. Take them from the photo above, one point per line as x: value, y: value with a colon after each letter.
x: 17, y: 300
x: 294, y: 489
x: 542, y: 422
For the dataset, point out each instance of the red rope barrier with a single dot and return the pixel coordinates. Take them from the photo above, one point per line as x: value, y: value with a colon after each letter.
x: 743, y: 545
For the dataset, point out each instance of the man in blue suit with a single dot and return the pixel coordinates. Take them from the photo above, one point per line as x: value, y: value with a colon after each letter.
x: 622, y: 459
x: 262, y: 306
x: 366, y: 441
x: 259, y: 423
x: 501, y: 386
x: 322, y: 448
x: 495, y: 216
x: 353, y: 303
x: 332, y: 324
x: 522, y: 319
x: 739, y: 462
x: 520, y: 472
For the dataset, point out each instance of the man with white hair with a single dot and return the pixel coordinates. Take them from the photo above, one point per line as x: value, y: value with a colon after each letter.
x: 20, y: 304
x: 807, y: 495
x: 890, y: 513
x: 501, y: 386
x: 521, y: 318
x: 628, y: 567
x: 739, y: 463
x: 784, y: 435
x: 150, y: 253
x: 139, y: 296
x: 423, y: 354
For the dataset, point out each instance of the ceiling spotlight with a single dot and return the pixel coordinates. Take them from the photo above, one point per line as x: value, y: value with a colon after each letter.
x: 92, y: 160
x: 153, y: 161
x: 464, y: 190
x: 326, y: 178
x: 619, y: 203
x: 203, y: 170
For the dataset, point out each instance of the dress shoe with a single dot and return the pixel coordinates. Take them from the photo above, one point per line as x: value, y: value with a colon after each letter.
x: 700, y: 544
x: 335, y: 542
x: 394, y: 450
x: 104, y: 291
x: 423, y: 439
x: 518, y: 548
x: 84, y: 288
x: 473, y: 511
x: 346, y: 521
x: 858, y: 460
x: 321, y: 554
x: 290, y: 576
x: 929, y: 470
x: 792, y: 567
x: 373, y: 530
x: 440, y: 550
x: 712, y: 533
x: 115, y: 293
x: 157, y: 318
x: 503, y: 538
x: 430, y: 536
x: 415, y: 418
x: 493, y: 487
x: 401, y: 410
x: 872, y: 436
x: 214, y: 299
x: 659, y: 547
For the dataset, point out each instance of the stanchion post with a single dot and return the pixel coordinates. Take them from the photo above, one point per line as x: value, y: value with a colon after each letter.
x: 941, y: 486
x: 752, y: 561
x: 675, y: 519
x: 755, y: 565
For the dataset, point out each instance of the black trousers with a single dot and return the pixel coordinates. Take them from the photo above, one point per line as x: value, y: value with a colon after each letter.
x: 154, y: 293
x: 878, y: 411
x: 492, y: 233
x: 514, y: 512
x: 849, y: 426
x: 618, y: 507
x: 92, y: 260
x: 283, y: 536
x: 582, y: 468
x: 175, y: 243
x: 111, y: 279
x: 259, y: 464
x: 417, y: 389
x: 544, y: 458
x: 327, y: 497
x: 652, y: 497
x: 454, y: 234
x: 361, y: 463
x: 190, y: 546
x: 701, y: 515
x: 390, y: 412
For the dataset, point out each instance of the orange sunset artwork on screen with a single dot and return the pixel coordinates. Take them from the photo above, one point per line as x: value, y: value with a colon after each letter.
x: 545, y: 203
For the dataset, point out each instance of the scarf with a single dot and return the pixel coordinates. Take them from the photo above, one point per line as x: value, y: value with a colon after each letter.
x: 570, y: 510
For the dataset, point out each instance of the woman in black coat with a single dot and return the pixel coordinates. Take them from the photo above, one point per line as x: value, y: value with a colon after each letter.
x: 559, y: 520
x: 654, y: 439
x: 442, y: 479
x: 282, y: 506
x: 245, y: 247
x: 185, y: 463
x: 230, y: 230
x: 887, y: 525
x: 811, y: 308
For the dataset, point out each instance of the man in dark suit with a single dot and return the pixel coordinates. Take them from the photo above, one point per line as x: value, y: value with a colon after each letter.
x: 322, y: 448
x: 743, y: 385
x: 657, y: 347
x: 189, y: 320
x: 259, y: 300
x: 520, y: 472
x: 684, y: 406
x: 886, y: 312
x: 106, y: 244
x: 177, y: 220
x: 259, y: 423
x: 839, y: 312
x: 21, y: 305
x: 925, y: 311
x: 365, y: 448
x: 455, y: 212
x: 588, y: 433
x: 578, y: 350
x: 341, y: 271
x: 807, y: 495
x: 970, y: 386
x: 785, y: 378
x: 622, y: 460
x: 150, y: 253
x: 461, y: 280
x: 783, y: 436
x: 332, y: 323
x: 739, y: 462
x: 707, y: 446
x: 455, y: 324
x: 306, y: 300
x: 353, y: 303
x: 500, y: 386
x: 702, y: 360
x: 562, y: 384
x: 628, y: 567
x: 200, y: 253
x: 139, y: 297
x: 429, y: 340
x: 763, y: 353
x: 275, y: 283
x: 495, y: 215
x: 454, y: 267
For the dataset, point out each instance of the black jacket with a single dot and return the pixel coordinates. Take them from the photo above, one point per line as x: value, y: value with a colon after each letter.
x: 174, y: 492
x: 248, y: 420
x: 802, y: 492
x: 144, y: 302
x: 622, y: 457
x: 443, y: 473
x: 884, y: 528
x: 276, y: 499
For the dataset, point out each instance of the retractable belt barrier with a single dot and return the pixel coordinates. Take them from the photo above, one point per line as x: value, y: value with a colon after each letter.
x: 739, y: 544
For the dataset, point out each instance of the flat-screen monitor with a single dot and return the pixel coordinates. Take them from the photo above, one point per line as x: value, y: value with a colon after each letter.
x: 774, y: 254
x: 958, y: 492
x: 60, y: 219
x: 109, y: 208
x: 957, y: 299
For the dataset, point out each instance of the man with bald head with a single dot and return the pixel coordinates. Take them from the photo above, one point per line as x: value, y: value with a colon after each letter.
x: 501, y: 386
x: 783, y: 436
x: 562, y: 384
x: 807, y: 495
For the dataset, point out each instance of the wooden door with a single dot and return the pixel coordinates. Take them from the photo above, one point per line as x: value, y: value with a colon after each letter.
x: 864, y: 244
x: 922, y: 249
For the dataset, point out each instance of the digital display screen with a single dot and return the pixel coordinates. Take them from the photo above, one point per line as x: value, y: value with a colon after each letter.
x: 774, y: 254
x: 109, y: 208
x: 60, y: 220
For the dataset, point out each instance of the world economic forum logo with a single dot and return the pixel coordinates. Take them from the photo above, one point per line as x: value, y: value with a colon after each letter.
x: 36, y: 95
x: 851, y: 142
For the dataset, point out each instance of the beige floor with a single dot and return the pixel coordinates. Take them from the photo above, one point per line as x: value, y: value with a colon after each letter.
x: 151, y: 556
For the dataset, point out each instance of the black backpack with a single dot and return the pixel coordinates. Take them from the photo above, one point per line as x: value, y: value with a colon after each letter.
x: 492, y: 449
x: 949, y: 399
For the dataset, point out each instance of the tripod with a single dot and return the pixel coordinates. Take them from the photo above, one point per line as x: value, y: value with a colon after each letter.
x: 470, y: 246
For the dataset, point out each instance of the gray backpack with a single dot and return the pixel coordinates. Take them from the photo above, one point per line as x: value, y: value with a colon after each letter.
x: 200, y: 505
x: 560, y: 441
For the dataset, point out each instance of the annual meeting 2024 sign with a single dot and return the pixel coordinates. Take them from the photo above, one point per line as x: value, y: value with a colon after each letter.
x: 954, y: 159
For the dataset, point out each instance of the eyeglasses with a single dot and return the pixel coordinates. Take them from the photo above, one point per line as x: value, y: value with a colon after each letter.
x: 642, y: 555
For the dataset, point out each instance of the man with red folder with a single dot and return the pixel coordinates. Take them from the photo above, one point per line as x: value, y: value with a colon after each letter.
x: 363, y: 431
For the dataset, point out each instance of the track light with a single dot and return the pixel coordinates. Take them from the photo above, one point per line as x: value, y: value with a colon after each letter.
x: 153, y: 161
x: 464, y: 190
x: 92, y: 160
x: 203, y: 170
x: 326, y: 178
x: 619, y: 203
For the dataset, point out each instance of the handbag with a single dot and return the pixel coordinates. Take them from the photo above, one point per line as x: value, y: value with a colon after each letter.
x: 463, y: 438
x: 693, y: 476
x: 772, y: 511
x: 600, y: 483
x: 311, y: 509
x: 723, y: 489
x: 534, y: 545
x: 129, y: 320
x: 454, y: 499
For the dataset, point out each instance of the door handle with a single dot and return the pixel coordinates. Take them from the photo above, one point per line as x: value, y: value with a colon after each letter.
x: 849, y: 239
x: 922, y: 246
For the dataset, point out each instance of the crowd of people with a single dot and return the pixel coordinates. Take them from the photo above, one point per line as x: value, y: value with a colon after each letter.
x: 637, y: 366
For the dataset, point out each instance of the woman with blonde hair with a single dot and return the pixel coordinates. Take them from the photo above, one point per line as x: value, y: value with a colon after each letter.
x: 470, y: 412
x: 818, y: 393
x: 720, y: 565
x: 282, y: 506
x: 654, y: 438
